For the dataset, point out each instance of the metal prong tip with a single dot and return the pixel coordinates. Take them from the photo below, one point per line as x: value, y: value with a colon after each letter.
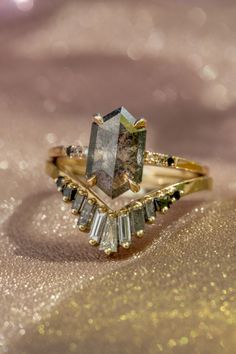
x: 65, y: 199
x: 126, y: 245
x: 93, y: 242
x: 164, y: 210
x: 82, y: 228
x: 140, y: 233
x: 92, y: 201
x: 108, y: 251
x: 74, y: 211
x: 140, y: 124
x: 173, y: 200
x: 151, y: 220
x: 98, y: 119
x: 92, y: 181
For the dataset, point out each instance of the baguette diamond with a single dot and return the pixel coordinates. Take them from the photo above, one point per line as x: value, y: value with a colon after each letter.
x: 97, y: 226
x: 109, y: 242
x: 124, y: 230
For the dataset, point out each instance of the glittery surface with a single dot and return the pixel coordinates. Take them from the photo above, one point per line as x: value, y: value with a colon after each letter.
x: 174, y: 63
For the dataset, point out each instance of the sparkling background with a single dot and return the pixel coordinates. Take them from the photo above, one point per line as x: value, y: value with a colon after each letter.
x: 174, y: 63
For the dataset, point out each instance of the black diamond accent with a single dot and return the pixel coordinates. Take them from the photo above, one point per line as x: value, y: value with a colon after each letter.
x: 60, y: 182
x: 77, y: 203
x: 176, y: 195
x: 69, y: 192
x: 170, y: 161
x: 162, y: 202
x: 68, y: 150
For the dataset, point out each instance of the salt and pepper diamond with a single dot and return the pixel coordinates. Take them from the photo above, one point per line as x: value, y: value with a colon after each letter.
x: 116, y: 152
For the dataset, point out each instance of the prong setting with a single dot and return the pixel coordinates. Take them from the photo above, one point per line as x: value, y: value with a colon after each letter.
x: 98, y: 119
x: 140, y: 124
x: 92, y: 181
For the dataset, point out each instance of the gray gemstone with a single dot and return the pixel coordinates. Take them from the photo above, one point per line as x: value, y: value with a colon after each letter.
x: 69, y: 193
x: 137, y: 220
x: 124, y: 229
x: 149, y: 210
x: 109, y: 239
x: 77, y: 203
x: 86, y: 215
x: 97, y: 226
x: 116, y: 147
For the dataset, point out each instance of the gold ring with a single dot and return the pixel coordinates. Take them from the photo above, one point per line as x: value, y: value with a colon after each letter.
x: 115, y: 185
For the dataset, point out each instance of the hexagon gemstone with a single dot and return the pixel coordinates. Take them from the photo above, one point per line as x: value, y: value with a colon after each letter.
x: 116, y: 150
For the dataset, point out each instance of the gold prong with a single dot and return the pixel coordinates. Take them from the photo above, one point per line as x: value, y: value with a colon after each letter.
x: 92, y: 242
x: 164, y: 210
x: 108, y: 251
x: 92, y: 201
x: 65, y: 199
x: 102, y: 209
x: 97, y: 118
x: 74, y: 211
x: 134, y: 187
x: 82, y: 228
x: 126, y: 245
x: 92, y: 181
x: 140, y: 124
x: 140, y: 233
x: 151, y: 220
x: 173, y: 200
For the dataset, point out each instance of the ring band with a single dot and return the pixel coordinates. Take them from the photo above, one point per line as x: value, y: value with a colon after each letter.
x: 112, y: 220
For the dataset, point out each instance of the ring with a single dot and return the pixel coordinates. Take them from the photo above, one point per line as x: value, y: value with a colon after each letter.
x: 115, y: 185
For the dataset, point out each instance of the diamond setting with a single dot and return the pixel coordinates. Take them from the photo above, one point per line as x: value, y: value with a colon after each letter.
x: 116, y: 151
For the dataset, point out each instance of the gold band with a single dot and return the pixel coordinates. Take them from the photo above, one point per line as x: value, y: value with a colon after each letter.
x: 182, y: 175
x: 111, y: 224
x: 151, y: 159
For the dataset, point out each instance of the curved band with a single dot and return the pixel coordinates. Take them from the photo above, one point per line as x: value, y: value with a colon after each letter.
x: 110, y: 226
x: 179, y: 173
x: 150, y: 158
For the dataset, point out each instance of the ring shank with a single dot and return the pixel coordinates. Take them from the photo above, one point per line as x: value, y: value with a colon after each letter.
x: 185, y: 176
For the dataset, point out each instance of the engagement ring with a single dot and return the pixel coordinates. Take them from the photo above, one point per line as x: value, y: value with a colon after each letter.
x: 115, y: 185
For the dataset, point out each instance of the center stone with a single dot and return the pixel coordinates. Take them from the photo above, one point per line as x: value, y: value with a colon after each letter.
x: 116, y: 150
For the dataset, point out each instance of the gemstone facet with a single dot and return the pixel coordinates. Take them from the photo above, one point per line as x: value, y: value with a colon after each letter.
x: 69, y: 193
x: 137, y: 220
x: 162, y: 202
x: 149, y: 211
x: 60, y: 183
x: 86, y: 215
x: 97, y: 226
x: 124, y: 230
x: 116, y: 150
x: 77, y: 203
x: 109, y: 241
